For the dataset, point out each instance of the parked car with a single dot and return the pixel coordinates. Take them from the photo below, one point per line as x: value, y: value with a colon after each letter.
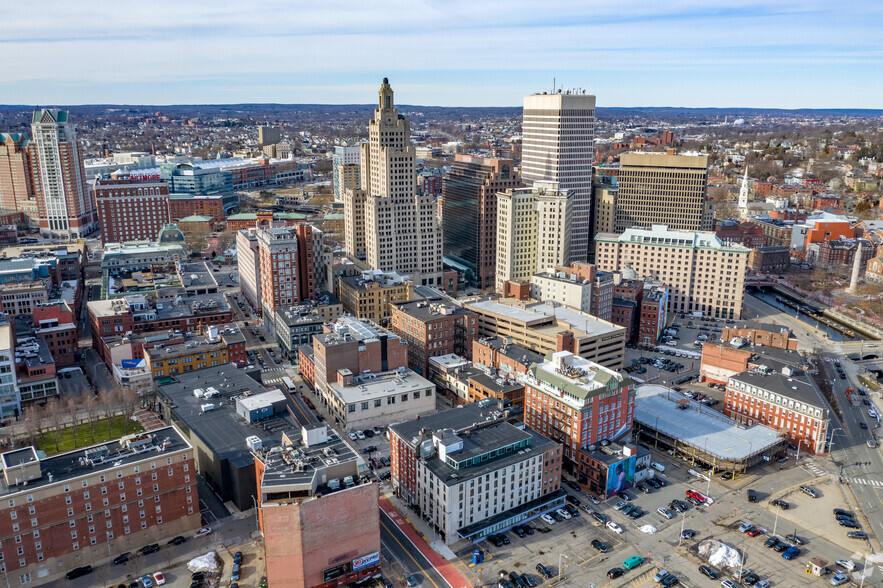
x: 202, y: 532
x: 781, y: 504
x: 599, y: 517
x: 614, y: 573
x: 665, y: 512
x: 754, y: 532
x: 846, y: 564
x: 857, y: 535
x: 600, y: 546
x: 159, y: 578
x: 795, y: 539
x: 547, y: 519
x: 708, y: 572
x: 615, y: 528
x: 658, y: 576
x: 78, y: 572
x: 688, y: 534
x: 176, y: 541
x: 838, y: 579
x: 544, y: 571
x: 771, y: 542
x: 791, y: 552
x: 809, y: 491
x: 745, y: 527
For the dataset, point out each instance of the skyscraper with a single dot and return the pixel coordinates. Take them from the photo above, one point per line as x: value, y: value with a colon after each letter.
x: 558, y: 145
x: 345, y: 169
x: 469, y: 219
x: 17, y: 174
x: 387, y: 223
x: 66, y: 208
x: 533, y: 231
x: 663, y: 189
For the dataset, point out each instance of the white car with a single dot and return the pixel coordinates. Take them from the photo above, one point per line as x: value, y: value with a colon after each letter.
x: 620, y: 505
x: 360, y: 435
x: 665, y: 512
x: 564, y: 514
x: 846, y: 564
x: 353, y: 437
x: 614, y: 527
x: 657, y: 466
x: 202, y: 532
x: 159, y: 578
x: 547, y: 519
x: 839, y: 578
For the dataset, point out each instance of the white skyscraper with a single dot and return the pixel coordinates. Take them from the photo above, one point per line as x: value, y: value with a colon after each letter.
x: 387, y: 223
x: 558, y: 145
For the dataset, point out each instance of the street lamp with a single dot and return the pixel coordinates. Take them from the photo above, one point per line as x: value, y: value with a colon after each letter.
x: 560, y: 555
x: 256, y: 520
x: 683, y: 520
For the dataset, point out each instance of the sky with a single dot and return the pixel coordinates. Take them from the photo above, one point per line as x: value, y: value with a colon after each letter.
x: 691, y: 53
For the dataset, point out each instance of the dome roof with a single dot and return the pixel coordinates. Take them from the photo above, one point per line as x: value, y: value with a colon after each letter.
x: 628, y: 273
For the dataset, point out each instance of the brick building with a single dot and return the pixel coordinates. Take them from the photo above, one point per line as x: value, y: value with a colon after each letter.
x: 577, y: 402
x: 433, y: 327
x: 371, y: 294
x: 653, y: 313
x: 625, y: 314
x: 743, y: 233
x: 17, y: 173
x: 83, y: 506
x: 184, y: 205
x: 770, y: 260
x: 503, y: 355
x: 129, y: 210
x: 842, y: 252
x: 263, y: 219
x: 55, y: 323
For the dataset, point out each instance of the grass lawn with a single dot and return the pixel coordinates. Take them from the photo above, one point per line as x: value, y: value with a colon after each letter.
x: 82, y: 434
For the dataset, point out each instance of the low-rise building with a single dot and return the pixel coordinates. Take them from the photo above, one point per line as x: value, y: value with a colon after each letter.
x: 295, y: 327
x: 35, y: 370
x: 472, y: 473
x: 503, y: 355
x: 55, y: 324
x: 770, y: 260
x: 87, y: 505
x: 652, y: 319
x: 311, y: 487
x: 194, y: 353
x: 577, y: 402
x: 787, y: 401
x: 604, y: 470
x: 366, y: 400
x: 370, y: 294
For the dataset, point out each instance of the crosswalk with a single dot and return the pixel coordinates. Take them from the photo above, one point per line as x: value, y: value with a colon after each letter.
x: 866, y: 482
x: 815, y: 470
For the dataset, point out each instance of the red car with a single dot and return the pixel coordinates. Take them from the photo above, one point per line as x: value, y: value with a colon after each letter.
x: 696, y: 495
x: 754, y: 532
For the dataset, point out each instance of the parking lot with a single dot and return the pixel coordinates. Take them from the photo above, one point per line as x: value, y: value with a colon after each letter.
x: 570, y: 540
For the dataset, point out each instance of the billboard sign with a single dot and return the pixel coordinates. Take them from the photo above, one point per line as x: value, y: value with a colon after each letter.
x: 621, y: 475
x: 366, y: 560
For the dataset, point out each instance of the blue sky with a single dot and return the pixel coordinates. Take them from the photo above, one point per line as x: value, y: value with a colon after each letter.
x: 726, y: 53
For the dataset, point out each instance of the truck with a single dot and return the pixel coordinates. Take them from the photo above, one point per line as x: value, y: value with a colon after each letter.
x: 852, y: 397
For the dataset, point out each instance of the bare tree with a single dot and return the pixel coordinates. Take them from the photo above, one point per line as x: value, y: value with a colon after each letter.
x: 128, y: 404
x: 93, y: 410
x: 71, y: 408
x: 55, y: 417
x: 33, y: 423
x: 111, y: 402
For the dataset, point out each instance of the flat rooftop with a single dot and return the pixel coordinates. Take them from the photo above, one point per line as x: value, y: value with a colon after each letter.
x: 579, y: 321
x: 458, y: 419
x: 64, y: 467
x: 449, y: 361
x: 700, y: 426
x: 196, y: 275
x: 298, y: 467
x: 575, y: 380
x: 794, y: 388
x: 222, y: 430
x: 516, y: 313
x: 513, y: 351
x: 380, y: 386
x: 425, y: 310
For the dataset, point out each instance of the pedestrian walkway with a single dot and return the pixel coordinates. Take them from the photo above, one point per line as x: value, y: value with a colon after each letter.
x: 453, y: 577
x: 866, y: 482
x: 149, y: 420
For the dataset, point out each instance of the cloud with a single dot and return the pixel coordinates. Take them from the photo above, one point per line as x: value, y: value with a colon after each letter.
x: 292, y: 50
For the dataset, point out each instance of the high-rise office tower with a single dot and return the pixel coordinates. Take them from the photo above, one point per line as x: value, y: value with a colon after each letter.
x: 387, y: 223
x: 269, y: 135
x: 345, y: 169
x: 533, y: 231
x: 469, y: 220
x: 66, y: 207
x: 558, y: 145
x: 17, y: 174
x: 663, y: 189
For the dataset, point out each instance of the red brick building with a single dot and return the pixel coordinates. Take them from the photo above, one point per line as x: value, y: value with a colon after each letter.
x: 55, y: 323
x: 652, y: 316
x: 59, y: 512
x: 263, y: 219
x: 748, y: 234
x: 17, y: 172
x: 770, y: 260
x: 841, y: 252
x: 432, y: 328
x: 500, y: 354
x: 184, y: 205
x: 129, y: 210
x: 625, y: 314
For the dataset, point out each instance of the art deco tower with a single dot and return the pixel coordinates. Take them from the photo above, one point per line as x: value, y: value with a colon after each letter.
x: 388, y: 224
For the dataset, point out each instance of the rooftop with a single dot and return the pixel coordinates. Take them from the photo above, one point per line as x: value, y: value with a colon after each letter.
x: 91, y: 460
x: 348, y: 328
x: 384, y: 280
x: 771, y: 328
x: 449, y: 361
x: 496, y: 384
x: 513, y: 351
x: 33, y: 352
x: 426, y: 310
x: 700, y: 426
x: 794, y: 387
x: 370, y: 386
x: 222, y: 430
x: 294, y: 316
x: 574, y: 379
x: 458, y: 419
x: 661, y: 235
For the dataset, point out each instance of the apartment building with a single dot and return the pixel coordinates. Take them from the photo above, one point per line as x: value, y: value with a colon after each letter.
x: 469, y: 219
x: 345, y: 169
x: 663, y: 189
x: 10, y: 399
x: 214, y: 348
x: 388, y: 224
x: 364, y: 400
x: 370, y: 295
x: 17, y: 174
x: 184, y: 205
x: 558, y: 145
x: 703, y: 274
x: 82, y: 507
x: 295, y: 326
x: 432, y: 328
x: 580, y: 286
x: 472, y: 473
x: 577, y: 402
x: 65, y: 206
x: 786, y: 401
x: 129, y: 210
x: 248, y: 263
x: 54, y: 323
x: 504, y: 356
x: 533, y: 231
x: 310, y: 488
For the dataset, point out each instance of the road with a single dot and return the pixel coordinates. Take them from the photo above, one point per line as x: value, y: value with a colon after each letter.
x: 409, y: 560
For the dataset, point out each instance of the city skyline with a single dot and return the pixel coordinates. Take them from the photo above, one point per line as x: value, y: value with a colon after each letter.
x: 741, y: 53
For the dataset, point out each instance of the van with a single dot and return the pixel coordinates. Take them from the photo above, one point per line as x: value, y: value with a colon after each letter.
x: 657, y: 466
x: 752, y: 496
x: 632, y: 562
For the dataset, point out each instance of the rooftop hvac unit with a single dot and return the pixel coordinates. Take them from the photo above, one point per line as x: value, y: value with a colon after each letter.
x: 254, y: 442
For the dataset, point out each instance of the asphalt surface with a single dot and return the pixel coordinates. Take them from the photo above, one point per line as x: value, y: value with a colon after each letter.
x: 409, y: 559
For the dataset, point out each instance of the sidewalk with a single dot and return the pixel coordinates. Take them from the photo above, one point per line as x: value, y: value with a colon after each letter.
x: 445, y: 569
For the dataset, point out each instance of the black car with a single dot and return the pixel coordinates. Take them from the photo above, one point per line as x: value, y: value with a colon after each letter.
x: 517, y: 580
x: 637, y: 513
x: 78, y: 572
x: 572, y: 484
x: 148, y: 549
x: 369, y: 449
x: 368, y: 433
x: 654, y: 483
x: 197, y: 576
x: 644, y: 488
x: 795, y: 539
x: 781, y: 504
x: 624, y: 495
x: 529, y: 580
x: 751, y: 579
x: 544, y: 571
x: 558, y: 518
x: 519, y: 531
x: 678, y: 505
x: 527, y: 529
x: 177, y: 540
x: 780, y: 547
x: 496, y: 540
x: 572, y: 510
x: 771, y: 542
x: 669, y: 580
x: 863, y: 425
x: 708, y: 572
x: 688, y: 534
x: 857, y: 535
x: 841, y: 512
x: 599, y: 517
x: 694, y: 501
x: 614, y: 573
x: 600, y: 546
x: 504, y: 539
x: 849, y: 523
x: 121, y: 558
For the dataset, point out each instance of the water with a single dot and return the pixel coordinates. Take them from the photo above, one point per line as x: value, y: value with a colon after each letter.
x: 832, y: 334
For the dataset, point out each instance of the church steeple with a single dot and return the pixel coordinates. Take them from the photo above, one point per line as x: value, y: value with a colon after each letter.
x: 743, y: 195
x: 385, y: 101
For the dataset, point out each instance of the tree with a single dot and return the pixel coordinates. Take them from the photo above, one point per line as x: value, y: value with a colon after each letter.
x: 127, y: 403
x: 93, y: 410
x: 33, y: 423
x: 71, y: 409
x: 197, y: 235
x: 55, y: 416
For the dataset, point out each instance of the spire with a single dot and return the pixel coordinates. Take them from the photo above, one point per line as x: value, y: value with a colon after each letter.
x: 385, y: 96
x: 743, y: 195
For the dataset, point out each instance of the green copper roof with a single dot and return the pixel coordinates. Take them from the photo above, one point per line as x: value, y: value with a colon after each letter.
x: 195, y: 218
x: 243, y: 216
